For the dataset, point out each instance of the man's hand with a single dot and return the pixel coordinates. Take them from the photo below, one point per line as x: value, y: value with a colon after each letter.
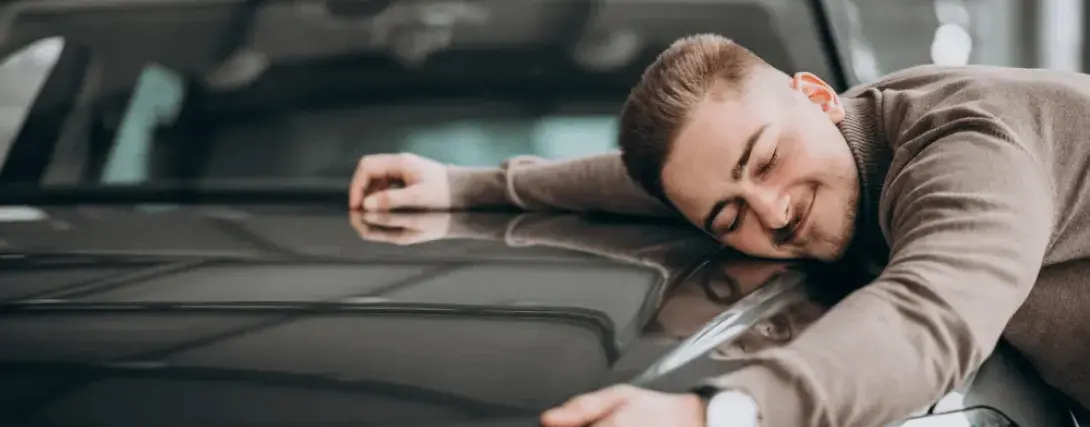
x: 628, y: 406
x: 401, y: 228
x: 384, y: 182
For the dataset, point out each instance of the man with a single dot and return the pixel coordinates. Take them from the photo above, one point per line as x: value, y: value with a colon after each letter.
x: 968, y: 182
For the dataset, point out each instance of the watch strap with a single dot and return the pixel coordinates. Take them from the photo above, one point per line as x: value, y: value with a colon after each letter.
x: 706, y: 392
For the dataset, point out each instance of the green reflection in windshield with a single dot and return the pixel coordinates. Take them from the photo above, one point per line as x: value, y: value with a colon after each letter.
x: 324, y: 143
x: 155, y: 101
x: 485, y: 142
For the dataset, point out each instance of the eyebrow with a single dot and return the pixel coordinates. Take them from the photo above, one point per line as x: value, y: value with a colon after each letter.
x: 740, y: 167
x: 735, y: 174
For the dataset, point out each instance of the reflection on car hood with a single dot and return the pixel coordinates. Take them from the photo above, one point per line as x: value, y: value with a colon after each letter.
x: 221, y: 315
x: 272, y: 307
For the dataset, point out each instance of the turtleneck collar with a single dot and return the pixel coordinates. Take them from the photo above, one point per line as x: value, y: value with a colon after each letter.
x: 871, y: 149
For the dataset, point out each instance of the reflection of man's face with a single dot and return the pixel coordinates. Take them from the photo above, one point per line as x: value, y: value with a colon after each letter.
x: 774, y: 331
x: 714, y: 289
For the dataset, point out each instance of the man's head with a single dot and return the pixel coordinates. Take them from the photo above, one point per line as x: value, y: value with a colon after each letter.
x: 742, y: 150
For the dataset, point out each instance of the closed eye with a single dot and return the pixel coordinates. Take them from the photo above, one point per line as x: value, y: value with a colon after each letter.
x: 767, y: 166
x: 740, y: 208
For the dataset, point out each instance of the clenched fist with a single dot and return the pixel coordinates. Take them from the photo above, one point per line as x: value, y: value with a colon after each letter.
x: 385, y: 182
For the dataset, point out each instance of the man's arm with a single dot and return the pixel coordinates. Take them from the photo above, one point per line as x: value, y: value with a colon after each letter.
x: 969, y: 219
x: 595, y: 183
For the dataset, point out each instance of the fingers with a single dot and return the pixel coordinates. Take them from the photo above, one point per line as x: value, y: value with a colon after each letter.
x: 397, y: 198
x: 399, y: 228
x: 380, y: 227
x: 400, y: 220
x: 396, y: 236
x: 588, y: 408
x: 360, y: 180
x: 375, y: 169
x: 356, y: 219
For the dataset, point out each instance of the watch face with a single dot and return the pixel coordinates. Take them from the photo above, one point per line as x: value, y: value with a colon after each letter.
x: 732, y: 409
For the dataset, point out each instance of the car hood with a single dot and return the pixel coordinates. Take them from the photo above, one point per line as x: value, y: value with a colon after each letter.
x: 159, y: 314
x: 259, y: 315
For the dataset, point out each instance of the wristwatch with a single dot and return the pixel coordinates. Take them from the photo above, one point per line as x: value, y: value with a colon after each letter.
x: 727, y: 408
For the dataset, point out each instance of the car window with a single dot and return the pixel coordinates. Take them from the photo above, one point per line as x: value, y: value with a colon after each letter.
x: 22, y: 75
x: 320, y: 143
x: 469, y: 132
x: 288, y: 94
x: 155, y: 102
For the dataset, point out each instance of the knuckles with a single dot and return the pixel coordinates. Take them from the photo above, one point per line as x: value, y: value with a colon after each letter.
x: 399, y: 161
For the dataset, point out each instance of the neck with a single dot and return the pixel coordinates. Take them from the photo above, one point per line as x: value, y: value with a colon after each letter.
x: 873, y: 155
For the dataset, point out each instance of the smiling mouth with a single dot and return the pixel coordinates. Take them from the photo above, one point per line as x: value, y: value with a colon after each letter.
x: 796, y: 228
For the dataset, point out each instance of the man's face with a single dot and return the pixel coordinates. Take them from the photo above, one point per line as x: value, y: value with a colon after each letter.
x: 765, y: 170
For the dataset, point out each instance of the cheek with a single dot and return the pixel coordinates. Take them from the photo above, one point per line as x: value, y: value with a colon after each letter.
x: 827, y: 149
x: 798, y: 158
x: 812, y: 163
x: 838, y: 205
x: 811, y: 147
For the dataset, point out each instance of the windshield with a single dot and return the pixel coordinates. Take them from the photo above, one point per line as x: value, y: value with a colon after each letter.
x: 21, y: 77
x: 304, y: 93
x: 317, y: 140
x: 166, y: 129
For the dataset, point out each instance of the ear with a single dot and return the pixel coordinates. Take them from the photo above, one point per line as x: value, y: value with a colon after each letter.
x: 819, y: 93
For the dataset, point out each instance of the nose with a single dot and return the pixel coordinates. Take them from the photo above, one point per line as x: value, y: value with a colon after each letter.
x: 772, y: 207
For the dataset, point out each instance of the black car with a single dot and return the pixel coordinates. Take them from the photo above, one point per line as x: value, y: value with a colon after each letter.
x: 208, y: 315
x: 174, y: 246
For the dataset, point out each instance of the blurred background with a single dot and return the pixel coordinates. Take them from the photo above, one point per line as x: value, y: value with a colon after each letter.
x: 464, y: 82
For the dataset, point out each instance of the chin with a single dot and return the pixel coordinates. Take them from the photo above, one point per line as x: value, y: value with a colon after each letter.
x: 834, y: 249
x: 829, y: 254
x: 831, y: 244
x: 830, y: 249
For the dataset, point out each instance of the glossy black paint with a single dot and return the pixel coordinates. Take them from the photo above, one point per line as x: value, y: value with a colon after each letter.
x: 282, y: 315
x: 222, y: 316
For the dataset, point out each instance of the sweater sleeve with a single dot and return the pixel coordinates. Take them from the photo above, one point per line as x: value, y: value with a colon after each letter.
x: 969, y: 217
x: 594, y: 183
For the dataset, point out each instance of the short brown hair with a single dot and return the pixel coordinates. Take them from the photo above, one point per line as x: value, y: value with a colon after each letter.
x: 659, y: 104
